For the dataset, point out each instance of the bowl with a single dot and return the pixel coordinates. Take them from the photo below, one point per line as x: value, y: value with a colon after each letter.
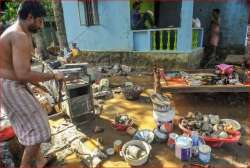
x: 144, y: 135
x: 132, y: 92
x: 236, y: 125
x: 162, y: 137
x: 141, y: 144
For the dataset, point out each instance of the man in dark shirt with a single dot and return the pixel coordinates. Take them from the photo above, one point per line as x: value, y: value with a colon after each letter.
x: 139, y: 19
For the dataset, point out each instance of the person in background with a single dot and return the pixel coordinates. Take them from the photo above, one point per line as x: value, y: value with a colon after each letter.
x: 196, y: 23
x: 140, y: 19
x: 215, y: 30
x: 214, y: 37
x: 1, y: 27
x: 26, y: 115
x: 75, y: 52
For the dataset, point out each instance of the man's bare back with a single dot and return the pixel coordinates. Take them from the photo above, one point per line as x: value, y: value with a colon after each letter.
x: 13, y: 34
x: 27, y: 118
x: 16, y: 49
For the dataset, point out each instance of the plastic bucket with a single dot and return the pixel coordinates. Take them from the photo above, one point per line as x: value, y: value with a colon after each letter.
x: 164, y: 117
x: 167, y: 127
x: 183, y: 145
x: 204, y: 153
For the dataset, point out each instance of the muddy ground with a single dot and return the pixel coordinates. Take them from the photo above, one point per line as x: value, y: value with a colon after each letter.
x: 228, y: 105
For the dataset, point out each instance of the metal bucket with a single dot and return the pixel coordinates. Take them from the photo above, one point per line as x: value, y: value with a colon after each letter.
x: 145, y: 146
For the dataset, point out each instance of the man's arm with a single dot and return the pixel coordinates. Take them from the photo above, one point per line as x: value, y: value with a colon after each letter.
x: 21, y: 51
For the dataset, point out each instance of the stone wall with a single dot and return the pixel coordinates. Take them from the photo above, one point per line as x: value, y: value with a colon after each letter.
x: 145, y: 60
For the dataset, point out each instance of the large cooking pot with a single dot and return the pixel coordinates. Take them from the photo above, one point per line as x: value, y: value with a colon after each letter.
x: 141, y: 144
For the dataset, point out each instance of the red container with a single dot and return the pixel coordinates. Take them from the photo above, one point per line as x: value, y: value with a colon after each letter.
x: 167, y: 127
x: 120, y: 127
x: 7, y: 134
x: 216, y: 142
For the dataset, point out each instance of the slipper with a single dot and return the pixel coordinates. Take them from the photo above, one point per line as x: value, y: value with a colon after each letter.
x: 50, y: 159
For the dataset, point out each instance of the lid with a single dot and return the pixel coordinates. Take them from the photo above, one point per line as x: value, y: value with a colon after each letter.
x: 184, y: 141
x: 118, y: 142
x: 110, y: 151
x: 204, y: 149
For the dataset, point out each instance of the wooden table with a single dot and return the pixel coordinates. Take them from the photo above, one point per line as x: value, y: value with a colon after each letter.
x: 206, y: 89
x: 203, y: 88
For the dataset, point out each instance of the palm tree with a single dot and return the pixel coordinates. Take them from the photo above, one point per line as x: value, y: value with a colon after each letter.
x: 59, y: 19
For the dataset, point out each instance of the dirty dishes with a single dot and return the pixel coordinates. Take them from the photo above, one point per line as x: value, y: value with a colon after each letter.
x: 144, y: 135
x: 145, y: 150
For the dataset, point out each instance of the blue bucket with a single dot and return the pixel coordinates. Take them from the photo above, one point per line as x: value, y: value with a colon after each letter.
x: 204, y: 153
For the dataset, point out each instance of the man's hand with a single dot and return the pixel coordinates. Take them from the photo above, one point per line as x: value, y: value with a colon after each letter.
x: 59, y: 76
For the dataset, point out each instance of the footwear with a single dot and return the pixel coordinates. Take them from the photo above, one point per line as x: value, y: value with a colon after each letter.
x: 98, y: 130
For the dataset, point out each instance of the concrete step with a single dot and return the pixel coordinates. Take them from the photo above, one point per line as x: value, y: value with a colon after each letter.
x: 235, y: 59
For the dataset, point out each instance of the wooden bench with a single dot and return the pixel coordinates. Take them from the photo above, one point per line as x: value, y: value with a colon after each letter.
x: 203, y: 88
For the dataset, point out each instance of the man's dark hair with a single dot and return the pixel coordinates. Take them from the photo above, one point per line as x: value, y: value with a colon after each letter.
x: 217, y: 10
x: 33, y: 7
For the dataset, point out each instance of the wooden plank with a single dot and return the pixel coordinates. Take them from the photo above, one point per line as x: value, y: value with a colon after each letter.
x: 193, y: 71
x: 237, y: 69
x: 206, y: 89
x: 56, y: 116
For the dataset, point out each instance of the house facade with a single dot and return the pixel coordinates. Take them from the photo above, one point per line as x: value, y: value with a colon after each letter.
x: 111, y: 33
x: 112, y: 28
x: 104, y: 26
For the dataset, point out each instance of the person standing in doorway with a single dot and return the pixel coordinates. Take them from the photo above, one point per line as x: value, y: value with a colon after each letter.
x: 27, y: 117
x: 139, y: 19
x: 215, y: 30
x: 214, y: 37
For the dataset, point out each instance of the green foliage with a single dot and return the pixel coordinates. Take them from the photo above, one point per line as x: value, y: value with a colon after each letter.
x: 12, y: 6
x: 48, y: 6
x: 11, y: 12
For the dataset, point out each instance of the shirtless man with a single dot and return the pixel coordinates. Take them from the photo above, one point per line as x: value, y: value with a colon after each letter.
x: 28, y: 119
x: 214, y: 38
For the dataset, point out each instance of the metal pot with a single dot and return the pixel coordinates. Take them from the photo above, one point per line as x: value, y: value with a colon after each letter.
x: 138, y: 162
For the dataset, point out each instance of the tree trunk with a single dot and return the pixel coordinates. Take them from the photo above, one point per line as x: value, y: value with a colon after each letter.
x: 41, y: 50
x: 59, y: 19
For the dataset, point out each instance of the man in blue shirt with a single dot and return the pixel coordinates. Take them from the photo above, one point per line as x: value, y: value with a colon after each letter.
x: 139, y: 19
